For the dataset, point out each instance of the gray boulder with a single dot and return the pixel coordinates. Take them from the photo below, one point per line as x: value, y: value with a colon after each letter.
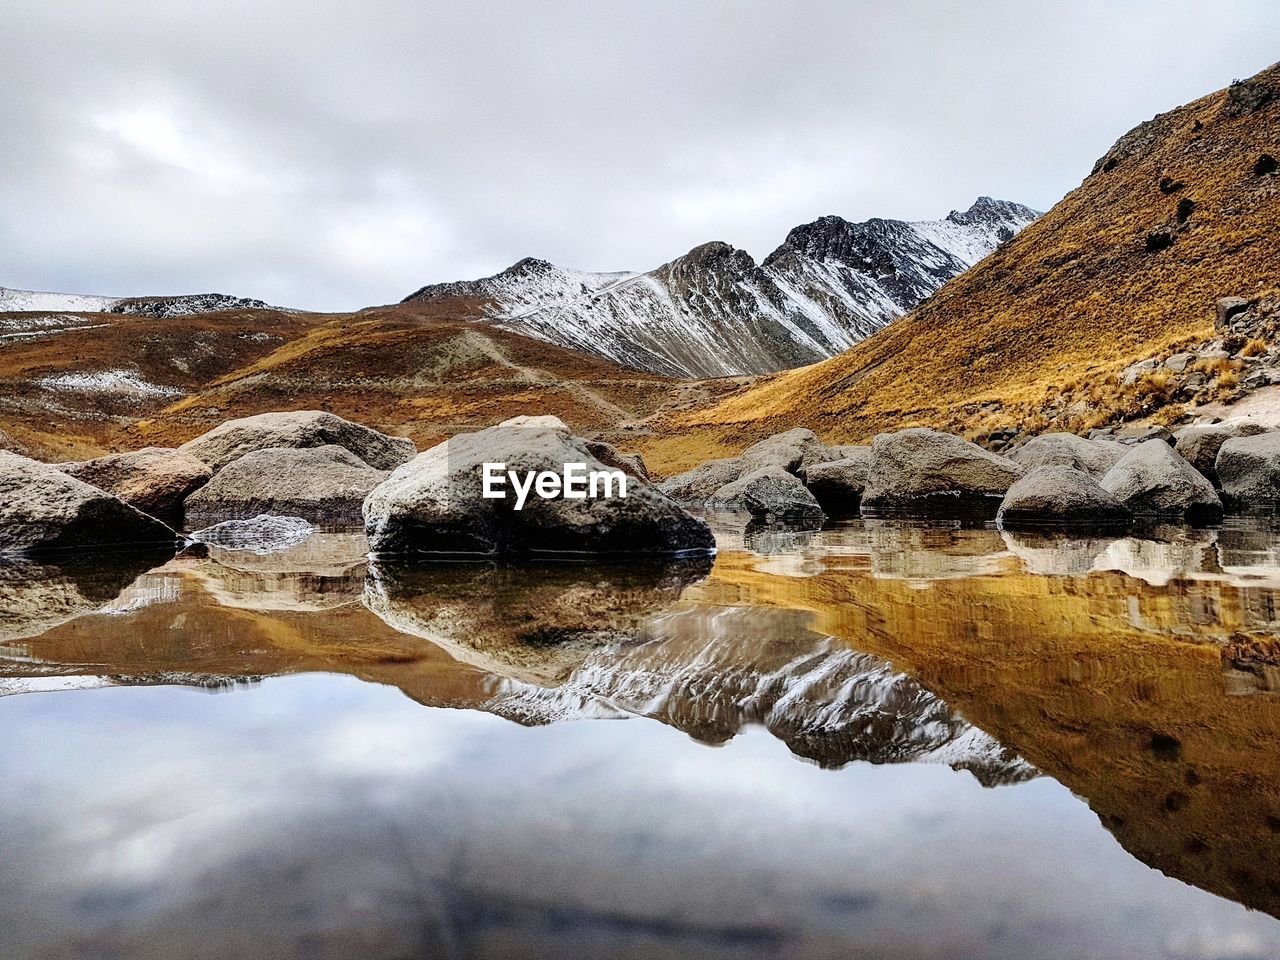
x: 299, y: 429
x: 321, y: 484
x: 697, y: 485
x: 838, y: 486
x: 921, y: 472
x: 1199, y: 445
x: 435, y: 505
x: 792, y: 451
x: 156, y: 480
x: 1249, y: 471
x: 767, y: 492
x: 1092, y: 456
x: 42, y: 509
x: 1058, y: 496
x: 1154, y: 481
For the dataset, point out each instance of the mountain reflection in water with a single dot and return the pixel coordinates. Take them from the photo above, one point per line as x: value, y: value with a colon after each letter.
x: 1137, y: 672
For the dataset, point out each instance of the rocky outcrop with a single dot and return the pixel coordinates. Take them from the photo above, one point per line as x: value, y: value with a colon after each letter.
x: 156, y: 480
x: 43, y: 509
x: 298, y: 429
x: 1155, y: 482
x: 769, y: 492
x: 322, y: 484
x: 839, y: 484
x: 1199, y: 444
x: 920, y: 472
x: 1249, y: 471
x: 434, y: 505
x: 1060, y: 496
x: 1094, y: 457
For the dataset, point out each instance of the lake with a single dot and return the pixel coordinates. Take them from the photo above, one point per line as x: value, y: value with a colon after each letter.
x: 871, y: 740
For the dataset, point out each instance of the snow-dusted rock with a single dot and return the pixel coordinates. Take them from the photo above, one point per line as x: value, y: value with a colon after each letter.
x: 298, y: 428
x: 259, y: 535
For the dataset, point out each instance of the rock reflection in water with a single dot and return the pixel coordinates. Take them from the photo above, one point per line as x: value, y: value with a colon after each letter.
x: 532, y: 623
x: 1139, y: 674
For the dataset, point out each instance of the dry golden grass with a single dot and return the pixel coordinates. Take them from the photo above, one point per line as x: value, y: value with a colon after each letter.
x: 1069, y: 302
x: 1254, y: 348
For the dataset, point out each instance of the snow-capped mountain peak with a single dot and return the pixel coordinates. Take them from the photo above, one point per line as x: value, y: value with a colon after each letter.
x: 715, y: 312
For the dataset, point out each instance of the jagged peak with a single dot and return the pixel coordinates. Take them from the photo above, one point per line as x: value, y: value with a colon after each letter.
x: 987, y: 210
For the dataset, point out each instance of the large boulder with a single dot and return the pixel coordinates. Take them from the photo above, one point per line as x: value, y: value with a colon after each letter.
x: 1155, y: 482
x: 1199, y: 444
x: 322, y: 484
x: 697, y: 485
x: 767, y: 492
x: 156, y: 480
x: 838, y: 485
x: 42, y: 509
x: 1249, y: 470
x: 792, y: 451
x: 1094, y: 457
x: 299, y: 429
x: 435, y: 504
x: 921, y: 472
x: 1056, y: 496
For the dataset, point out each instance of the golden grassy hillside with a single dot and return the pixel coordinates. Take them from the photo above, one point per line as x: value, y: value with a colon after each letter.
x: 1073, y: 299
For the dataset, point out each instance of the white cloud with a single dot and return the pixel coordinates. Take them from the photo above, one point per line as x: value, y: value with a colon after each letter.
x: 334, y: 155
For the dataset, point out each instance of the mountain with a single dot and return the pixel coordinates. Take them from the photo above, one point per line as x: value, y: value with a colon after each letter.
x: 75, y: 384
x: 1182, y: 211
x: 184, y: 305
x: 715, y: 312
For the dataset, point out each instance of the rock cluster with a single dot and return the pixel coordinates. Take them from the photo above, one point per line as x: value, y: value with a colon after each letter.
x: 1057, y: 480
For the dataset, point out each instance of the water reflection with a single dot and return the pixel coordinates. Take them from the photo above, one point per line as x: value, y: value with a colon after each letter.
x: 1138, y: 672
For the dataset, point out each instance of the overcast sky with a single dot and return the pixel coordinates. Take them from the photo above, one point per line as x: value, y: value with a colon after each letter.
x: 326, y: 154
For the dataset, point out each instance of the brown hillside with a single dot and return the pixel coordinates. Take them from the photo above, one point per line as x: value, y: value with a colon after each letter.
x: 422, y: 370
x: 1087, y: 289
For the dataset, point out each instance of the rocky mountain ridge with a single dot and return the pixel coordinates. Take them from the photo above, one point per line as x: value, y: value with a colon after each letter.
x: 715, y: 312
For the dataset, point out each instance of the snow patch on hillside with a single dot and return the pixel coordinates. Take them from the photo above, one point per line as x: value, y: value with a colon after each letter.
x: 119, y: 382
x: 13, y: 301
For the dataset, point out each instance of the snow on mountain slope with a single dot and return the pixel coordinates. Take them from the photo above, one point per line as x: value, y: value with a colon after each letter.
x: 716, y: 312
x: 16, y: 301
x: 185, y: 305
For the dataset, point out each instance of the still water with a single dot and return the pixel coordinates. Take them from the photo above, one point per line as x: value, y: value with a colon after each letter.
x: 872, y: 740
